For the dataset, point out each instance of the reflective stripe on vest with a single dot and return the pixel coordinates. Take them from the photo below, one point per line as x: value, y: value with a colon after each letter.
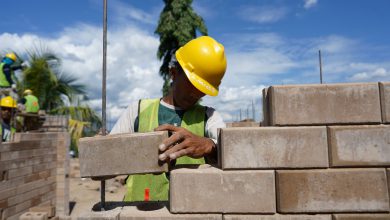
x: 156, y: 186
x: 3, y: 80
x: 32, y: 104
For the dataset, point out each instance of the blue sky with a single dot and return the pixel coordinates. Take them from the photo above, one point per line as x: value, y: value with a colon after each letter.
x: 266, y: 42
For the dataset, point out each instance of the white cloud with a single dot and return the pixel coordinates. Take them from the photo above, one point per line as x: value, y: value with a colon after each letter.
x: 310, y: 3
x: 378, y: 74
x: 264, y: 14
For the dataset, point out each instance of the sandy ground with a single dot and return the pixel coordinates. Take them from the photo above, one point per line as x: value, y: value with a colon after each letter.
x: 85, y: 193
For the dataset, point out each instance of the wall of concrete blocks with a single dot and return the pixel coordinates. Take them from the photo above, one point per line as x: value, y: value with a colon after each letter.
x: 32, y: 173
x: 325, y: 155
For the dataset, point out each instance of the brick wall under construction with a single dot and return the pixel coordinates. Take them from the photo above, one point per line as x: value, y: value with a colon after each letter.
x: 323, y: 154
x: 33, y: 172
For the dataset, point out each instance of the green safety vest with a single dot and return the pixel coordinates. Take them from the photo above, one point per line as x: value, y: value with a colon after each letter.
x: 32, y: 105
x: 156, y: 186
x: 3, y: 80
x: 13, y: 130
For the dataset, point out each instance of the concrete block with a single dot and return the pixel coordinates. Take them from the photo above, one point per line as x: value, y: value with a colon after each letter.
x: 364, y: 145
x: 34, y: 216
x: 353, y: 103
x: 242, y: 124
x: 332, y: 191
x: 277, y: 217
x: 274, y: 147
x: 384, y: 88
x: 121, y: 154
x: 361, y: 217
x: 50, y: 210
x: 103, y: 215
x: 161, y: 213
x: 211, y: 190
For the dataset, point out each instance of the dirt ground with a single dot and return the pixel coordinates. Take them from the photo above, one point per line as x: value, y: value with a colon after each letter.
x: 85, y: 193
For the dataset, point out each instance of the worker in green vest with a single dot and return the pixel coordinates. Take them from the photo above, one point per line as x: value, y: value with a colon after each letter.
x: 8, y: 108
x: 7, y: 76
x: 196, y: 69
x: 30, y: 102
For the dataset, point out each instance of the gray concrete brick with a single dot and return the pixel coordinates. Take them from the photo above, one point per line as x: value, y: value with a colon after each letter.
x: 271, y: 147
x: 277, y: 217
x: 364, y: 145
x: 121, y: 154
x: 103, y: 215
x: 332, y: 191
x: 242, y: 124
x: 34, y: 216
x: 134, y: 213
x: 384, y: 88
x: 211, y: 190
x: 361, y: 217
x: 356, y: 103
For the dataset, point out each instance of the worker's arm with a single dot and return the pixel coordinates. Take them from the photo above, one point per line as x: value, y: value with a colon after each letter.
x: 195, y: 146
x: 184, y: 143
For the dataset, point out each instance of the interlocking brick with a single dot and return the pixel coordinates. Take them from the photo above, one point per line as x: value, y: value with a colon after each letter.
x: 332, y: 191
x: 271, y: 147
x: 384, y: 88
x: 363, y: 145
x: 277, y: 217
x: 34, y: 216
x: 361, y: 217
x: 161, y: 213
x: 50, y: 210
x: 102, y: 215
x: 121, y: 154
x: 356, y: 103
x: 211, y: 190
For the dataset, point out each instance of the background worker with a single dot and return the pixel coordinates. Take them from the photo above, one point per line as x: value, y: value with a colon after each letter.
x: 196, y: 69
x: 7, y: 76
x: 30, y: 105
x: 8, y: 108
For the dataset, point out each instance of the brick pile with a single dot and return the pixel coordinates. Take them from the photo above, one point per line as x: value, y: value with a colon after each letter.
x: 29, y: 171
x: 323, y: 154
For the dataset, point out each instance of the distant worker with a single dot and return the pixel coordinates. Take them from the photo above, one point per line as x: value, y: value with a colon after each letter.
x: 8, y: 108
x: 30, y: 106
x: 30, y: 102
x: 196, y: 69
x: 7, y: 76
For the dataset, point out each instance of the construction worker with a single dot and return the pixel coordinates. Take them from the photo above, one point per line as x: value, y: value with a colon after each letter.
x: 196, y: 69
x: 7, y: 76
x: 30, y: 102
x: 8, y: 108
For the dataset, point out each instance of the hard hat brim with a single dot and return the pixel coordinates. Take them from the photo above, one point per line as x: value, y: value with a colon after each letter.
x: 199, y: 83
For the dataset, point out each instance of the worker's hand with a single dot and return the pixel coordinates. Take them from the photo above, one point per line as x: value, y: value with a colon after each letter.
x: 183, y: 143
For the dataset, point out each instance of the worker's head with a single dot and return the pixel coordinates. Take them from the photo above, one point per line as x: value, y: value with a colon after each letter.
x: 9, y: 58
x: 197, y: 69
x: 8, y: 105
x: 27, y: 92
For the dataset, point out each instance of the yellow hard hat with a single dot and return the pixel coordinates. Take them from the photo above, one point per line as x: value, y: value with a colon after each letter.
x: 27, y: 91
x: 12, y: 56
x: 8, y: 102
x: 203, y: 61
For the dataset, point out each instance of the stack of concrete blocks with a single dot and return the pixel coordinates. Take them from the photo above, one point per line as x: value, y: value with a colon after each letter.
x: 324, y: 154
x: 28, y: 172
x: 242, y: 124
x: 55, y: 123
x: 62, y: 177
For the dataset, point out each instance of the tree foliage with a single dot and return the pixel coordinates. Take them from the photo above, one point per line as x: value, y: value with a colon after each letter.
x: 177, y: 25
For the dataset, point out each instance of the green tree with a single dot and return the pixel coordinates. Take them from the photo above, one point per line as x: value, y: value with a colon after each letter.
x: 59, y: 93
x: 177, y: 25
x: 45, y: 78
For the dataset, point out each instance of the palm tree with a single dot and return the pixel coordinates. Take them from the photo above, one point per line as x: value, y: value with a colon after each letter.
x: 54, y: 89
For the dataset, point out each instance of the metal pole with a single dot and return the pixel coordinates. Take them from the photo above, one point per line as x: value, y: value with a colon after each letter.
x: 253, y: 111
x: 103, y: 182
x: 320, y: 59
